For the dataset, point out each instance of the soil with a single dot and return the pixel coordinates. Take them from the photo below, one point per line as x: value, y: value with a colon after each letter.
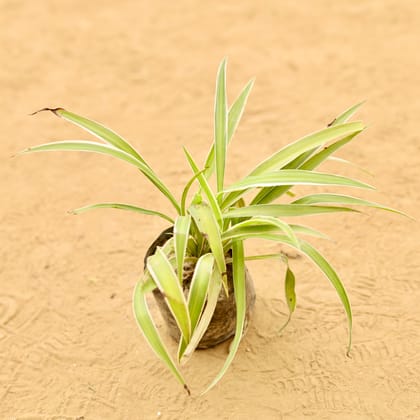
x: 69, y: 347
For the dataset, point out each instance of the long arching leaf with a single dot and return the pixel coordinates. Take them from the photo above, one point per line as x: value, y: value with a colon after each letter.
x: 313, y: 254
x: 259, y: 223
x: 91, y: 146
x: 165, y: 278
x: 305, y: 230
x: 293, y: 150
x: 296, y: 149
x: 287, y: 177
x: 98, y: 130
x: 333, y: 277
x: 342, y: 199
x: 282, y: 210
x: 149, y: 330
x: 307, y: 249
x: 215, y: 286
x: 240, y: 301
x: 199, y: 287
x: 122, y: 206
x: 269, y: 194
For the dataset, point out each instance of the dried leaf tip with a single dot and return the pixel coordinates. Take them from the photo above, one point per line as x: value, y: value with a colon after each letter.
x: 187, y: 389
x: 332, y: 122
x: 53, y: 110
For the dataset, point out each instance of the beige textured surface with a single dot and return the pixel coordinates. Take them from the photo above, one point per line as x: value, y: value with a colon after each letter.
x: 69, y: 347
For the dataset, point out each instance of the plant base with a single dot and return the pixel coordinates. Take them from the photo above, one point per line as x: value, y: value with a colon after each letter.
x: 223, y: 323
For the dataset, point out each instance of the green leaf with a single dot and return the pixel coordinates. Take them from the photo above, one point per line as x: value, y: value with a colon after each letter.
x: 259, y: 222
x: 296, y: 149
x: 237, y: 109
x: 91, y: 146
x: 98, y: 130
x: 165, y: 278
x: 261, y: 233
x: 305, y: 230
x: 199, y: 287
x: 295, y: 177
x: 240, y: 301
x: 282, y: 210
x: 333, y: 277
x: 268, y: 194
x: 87, y: 146
x: 248, y: 232
x: 293, y: 150
x: 344, y: 199
x: 205, y: 187
x: 347, y: 162
x: 122, y: 206
x: 346, y: 115
x: 207, y: 224
x: 198, y: 294
x: 300, y: 229
x: 220, y: 125
x: 149, y: 330
x: 288, y: 177
x: 315, y: 160
x: 181, y: 236
x: 214, y: 288
x: 329, y: 272
x: 192, y: 246
x: 322, y: 264
x: 234, y: 117
x: 289, y: 291
x: 263, y: 257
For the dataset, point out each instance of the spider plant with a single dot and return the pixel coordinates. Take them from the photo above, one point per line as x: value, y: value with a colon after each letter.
x: 210, y: 226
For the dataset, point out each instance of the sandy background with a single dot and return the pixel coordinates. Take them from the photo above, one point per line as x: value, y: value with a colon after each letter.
x: 69, y: 347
